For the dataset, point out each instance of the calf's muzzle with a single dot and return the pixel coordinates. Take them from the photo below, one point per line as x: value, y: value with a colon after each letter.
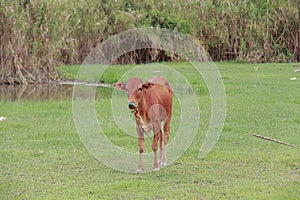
x: 131, y: 105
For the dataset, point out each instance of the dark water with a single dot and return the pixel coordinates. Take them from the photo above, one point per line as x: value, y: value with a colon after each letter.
x: 64, y: 91
x: 36, y: 92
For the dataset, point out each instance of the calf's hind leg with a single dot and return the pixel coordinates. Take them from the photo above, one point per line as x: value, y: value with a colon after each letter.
x: 157, y: 133
x: 154, y: 148
x: 165, y: 133
x: 162, y: 160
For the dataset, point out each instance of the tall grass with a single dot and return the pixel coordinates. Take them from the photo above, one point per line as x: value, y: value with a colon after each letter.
x: 36, y: 36
x: 255, y: 31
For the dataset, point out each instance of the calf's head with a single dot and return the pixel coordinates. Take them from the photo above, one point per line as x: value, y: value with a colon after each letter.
x: 135, y: 98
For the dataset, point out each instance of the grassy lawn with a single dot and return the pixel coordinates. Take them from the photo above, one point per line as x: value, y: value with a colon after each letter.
x: 42, y: 156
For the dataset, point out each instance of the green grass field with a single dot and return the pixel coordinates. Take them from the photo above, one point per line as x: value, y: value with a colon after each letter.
x: 42, y: 157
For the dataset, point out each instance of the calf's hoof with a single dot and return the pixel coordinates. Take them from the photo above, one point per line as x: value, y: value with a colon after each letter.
x: 163, y: 164
x: 156, y: 169
x: 139, y: 171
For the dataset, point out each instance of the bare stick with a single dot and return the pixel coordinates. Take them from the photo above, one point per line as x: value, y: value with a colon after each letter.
x: 274, y: 140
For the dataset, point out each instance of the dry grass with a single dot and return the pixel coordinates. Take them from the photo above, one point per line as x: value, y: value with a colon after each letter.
x: 36, y: 36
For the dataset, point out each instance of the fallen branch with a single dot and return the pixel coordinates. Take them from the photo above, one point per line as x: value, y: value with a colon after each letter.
x: 274, y: 140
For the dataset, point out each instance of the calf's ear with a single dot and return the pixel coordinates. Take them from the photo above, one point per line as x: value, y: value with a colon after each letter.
x: 120, y: 86
x: 147, y: 85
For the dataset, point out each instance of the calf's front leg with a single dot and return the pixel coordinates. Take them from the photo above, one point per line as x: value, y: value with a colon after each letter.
x: 141, y: 145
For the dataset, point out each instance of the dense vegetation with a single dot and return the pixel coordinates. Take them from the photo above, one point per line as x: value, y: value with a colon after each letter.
x: 36, y: 36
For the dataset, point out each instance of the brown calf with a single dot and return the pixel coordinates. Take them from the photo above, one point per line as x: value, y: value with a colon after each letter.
x: 151, y: 103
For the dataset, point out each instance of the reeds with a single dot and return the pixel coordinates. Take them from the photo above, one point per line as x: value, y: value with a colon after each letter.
x: 251, y: 31
x: 36, y: 36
